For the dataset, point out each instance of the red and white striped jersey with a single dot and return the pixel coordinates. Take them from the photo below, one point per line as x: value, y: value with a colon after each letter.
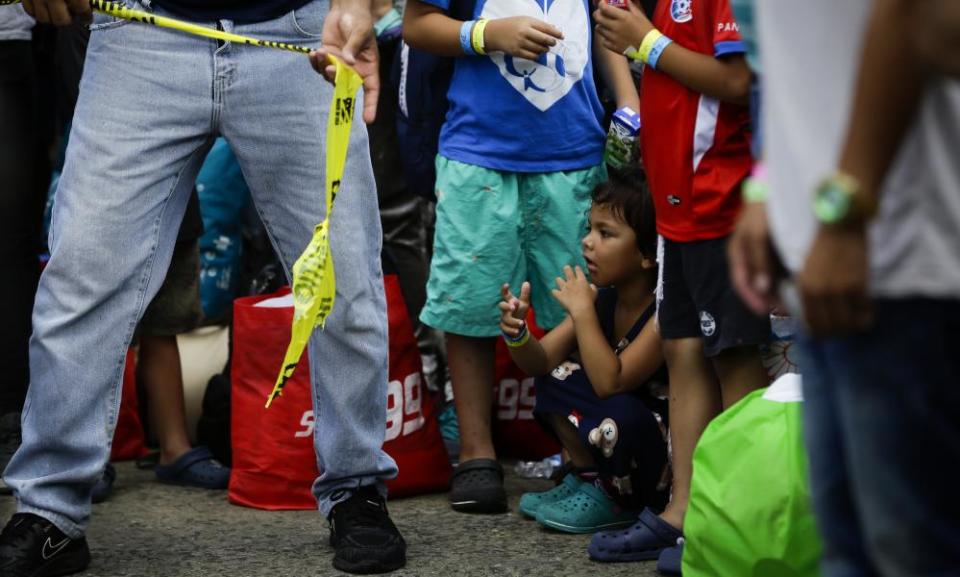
x: 696, y: 149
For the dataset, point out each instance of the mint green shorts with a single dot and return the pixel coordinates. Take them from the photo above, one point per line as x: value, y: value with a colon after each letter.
x: 495, y: 227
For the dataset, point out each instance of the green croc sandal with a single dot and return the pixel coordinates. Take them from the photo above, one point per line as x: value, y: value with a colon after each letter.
x: 588, y: 510
x: 530, y: 503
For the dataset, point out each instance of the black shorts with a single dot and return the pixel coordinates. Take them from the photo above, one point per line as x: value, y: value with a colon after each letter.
x: 177, y: 308
x: 697, y: 299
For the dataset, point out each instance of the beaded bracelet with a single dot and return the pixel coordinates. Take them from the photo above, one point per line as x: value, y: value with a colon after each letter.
x: 518, y: 341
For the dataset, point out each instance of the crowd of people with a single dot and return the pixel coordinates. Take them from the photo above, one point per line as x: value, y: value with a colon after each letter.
x: 791, y: 159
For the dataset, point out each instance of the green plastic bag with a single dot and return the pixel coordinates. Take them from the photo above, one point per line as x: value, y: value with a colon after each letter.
x: 749, y: 513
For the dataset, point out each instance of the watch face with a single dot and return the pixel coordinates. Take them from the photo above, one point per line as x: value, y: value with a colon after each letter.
x: 832, y: 203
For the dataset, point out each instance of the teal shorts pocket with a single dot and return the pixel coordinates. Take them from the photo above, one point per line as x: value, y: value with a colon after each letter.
x: 499, y: 227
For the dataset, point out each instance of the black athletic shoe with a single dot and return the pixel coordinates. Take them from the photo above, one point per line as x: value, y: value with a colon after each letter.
x: 31, y: 546
x: 364, y: 537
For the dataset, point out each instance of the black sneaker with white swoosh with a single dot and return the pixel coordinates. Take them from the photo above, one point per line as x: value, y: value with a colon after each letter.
x: 31, y: 546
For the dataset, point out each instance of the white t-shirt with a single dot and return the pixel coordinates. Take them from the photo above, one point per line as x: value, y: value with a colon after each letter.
x: 810, y: 53
x: 15, y: 24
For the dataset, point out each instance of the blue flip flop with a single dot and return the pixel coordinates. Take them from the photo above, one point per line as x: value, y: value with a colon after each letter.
x: 195, y: 468
x: 642, y: 541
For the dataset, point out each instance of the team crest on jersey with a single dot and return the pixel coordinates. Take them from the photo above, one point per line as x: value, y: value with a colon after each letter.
x: 681, y: 10
x: 546, y: 80
x: 708, y: 325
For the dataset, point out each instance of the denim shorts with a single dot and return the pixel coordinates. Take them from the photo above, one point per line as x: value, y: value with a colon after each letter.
x: 498, y: 227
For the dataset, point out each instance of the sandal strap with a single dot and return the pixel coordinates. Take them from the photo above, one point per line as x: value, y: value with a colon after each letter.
x: 478, y: 465
x: 189, y: 459
x: 665, y: 532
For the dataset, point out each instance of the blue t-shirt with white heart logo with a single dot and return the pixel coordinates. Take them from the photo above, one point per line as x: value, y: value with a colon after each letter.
x: 518, y: 115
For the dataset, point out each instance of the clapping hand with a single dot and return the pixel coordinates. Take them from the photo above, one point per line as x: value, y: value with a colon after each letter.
x: 513, y: 310
x: 575, y: 293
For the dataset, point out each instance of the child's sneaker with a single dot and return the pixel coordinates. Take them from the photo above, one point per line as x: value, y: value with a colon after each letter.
x: 588, y: 510
x: 530, y: 503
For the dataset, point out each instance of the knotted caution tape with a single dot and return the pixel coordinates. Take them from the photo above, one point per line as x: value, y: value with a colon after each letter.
x: 314, y: 282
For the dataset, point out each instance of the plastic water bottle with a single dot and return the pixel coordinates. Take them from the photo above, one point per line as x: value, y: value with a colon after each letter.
x: 538, y: 469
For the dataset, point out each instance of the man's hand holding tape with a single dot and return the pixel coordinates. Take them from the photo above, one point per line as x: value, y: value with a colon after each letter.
x: 348, y: 34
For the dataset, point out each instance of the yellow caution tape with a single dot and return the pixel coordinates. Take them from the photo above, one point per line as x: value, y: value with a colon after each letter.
x: 314, y: 283
x: 118, y: 10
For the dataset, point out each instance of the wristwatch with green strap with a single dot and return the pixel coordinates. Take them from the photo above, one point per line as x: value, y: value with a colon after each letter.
x: 840, y: 200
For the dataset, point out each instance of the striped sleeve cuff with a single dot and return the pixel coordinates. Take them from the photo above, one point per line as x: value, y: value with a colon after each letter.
x: 729, y: 47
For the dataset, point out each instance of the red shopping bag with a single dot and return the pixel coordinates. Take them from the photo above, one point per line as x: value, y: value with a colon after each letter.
x: 274, y: 464
x: 515, y: 431
x: 413, y: 434
x: 129, y: 440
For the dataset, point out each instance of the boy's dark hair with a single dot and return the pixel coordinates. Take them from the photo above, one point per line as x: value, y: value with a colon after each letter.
x: 628, y: 195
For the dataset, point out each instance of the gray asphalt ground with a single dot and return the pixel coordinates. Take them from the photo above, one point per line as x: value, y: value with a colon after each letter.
x: 147, y: 529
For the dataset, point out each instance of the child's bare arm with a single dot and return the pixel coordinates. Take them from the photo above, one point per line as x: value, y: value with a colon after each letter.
x: 534, y: 357
x: 428, y: 28
x: 615, y: 71
x: 727, y: 78
x: 611, y: 375
x: 935, y: 33
x: 608, y: 373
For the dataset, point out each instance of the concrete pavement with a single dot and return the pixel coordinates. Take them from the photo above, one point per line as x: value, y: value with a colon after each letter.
x: 147, y: 529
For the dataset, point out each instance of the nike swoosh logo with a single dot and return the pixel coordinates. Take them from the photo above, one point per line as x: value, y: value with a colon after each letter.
x: 49, y: 549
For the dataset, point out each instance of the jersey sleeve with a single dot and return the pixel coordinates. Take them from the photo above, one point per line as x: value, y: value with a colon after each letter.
x: 726, y: 32
x: 441, y: 4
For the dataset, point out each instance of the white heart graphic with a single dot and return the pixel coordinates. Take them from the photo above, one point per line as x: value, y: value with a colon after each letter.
x: 547, y: 80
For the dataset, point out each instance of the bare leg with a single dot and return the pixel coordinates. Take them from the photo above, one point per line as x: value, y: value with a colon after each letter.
x: 471, y: 361
x: 694, y: 402
x: 740, y: 372
x: 159, y: 371
x: 578, y: 453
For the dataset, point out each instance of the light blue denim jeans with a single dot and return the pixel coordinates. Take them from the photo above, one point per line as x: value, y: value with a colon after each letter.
x: 151, y: 103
